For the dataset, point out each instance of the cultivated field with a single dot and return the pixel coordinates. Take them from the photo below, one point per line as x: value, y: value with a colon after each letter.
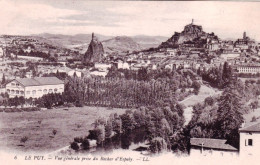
x: 40, y: 127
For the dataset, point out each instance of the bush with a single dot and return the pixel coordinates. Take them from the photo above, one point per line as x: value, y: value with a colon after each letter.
x: 253, y: 119
x: 97, y: 134
x: 54, y: 132
x: 78, y: 139
x: 209, y: 101
x: 196, y: 85
x: 79, y: 104
x: 74, y: 146
x: 29, y: 109
x: 24, y: 139
x: 85, y: 144
x: 157, y: 145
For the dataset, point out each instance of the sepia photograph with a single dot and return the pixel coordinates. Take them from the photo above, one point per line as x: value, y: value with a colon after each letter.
x: 129, y: 82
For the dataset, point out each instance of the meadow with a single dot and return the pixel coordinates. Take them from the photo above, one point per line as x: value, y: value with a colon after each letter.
x: 48, y: 130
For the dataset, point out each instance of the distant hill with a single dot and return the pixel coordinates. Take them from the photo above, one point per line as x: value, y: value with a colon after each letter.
x: 80, y: 42
x: 121, y: 44
x: 149, y: 41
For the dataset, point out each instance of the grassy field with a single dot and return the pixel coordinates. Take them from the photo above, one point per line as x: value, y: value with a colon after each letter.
x: 204, y: 92
x: 39, y: 127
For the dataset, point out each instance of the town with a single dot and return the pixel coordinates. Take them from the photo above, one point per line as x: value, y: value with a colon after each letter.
x: 37, y: 75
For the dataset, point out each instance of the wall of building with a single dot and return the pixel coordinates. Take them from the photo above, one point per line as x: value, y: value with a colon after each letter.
x: 245, y: 148
x: 208, y: 152
x: 15, y: 89
x: 248, y: 69
x: 39, y: 91
x: 227, y: 56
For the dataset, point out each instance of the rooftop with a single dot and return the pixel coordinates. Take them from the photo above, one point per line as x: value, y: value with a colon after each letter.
x: 212, y: 143
x: 36, y: 81
x: 251, y: 128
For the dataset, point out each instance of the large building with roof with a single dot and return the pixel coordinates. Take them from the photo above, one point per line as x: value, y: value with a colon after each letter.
x: 34, y: 87
x: 250, y: 140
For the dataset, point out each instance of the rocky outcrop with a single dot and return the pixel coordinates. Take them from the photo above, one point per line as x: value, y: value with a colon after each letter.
x: 95, y: 51
x: 191, y: 34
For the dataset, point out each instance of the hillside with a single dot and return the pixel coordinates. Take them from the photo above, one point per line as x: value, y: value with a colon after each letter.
x: 149, y: 41
x: 121, y: 44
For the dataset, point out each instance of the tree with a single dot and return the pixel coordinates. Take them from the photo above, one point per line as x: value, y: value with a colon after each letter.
x: 74, y: 146
x: 142, y: 74
x: 128, y: 123
x: 254, y: 105
x: 157, y: 145
x: 227, y: 74
x: 229, y: 115
x: 97, y: 134
x: 196, y: 85
x: 85, y: 144
x: 75, y: 74
x: 209, y: 101
x: 3, y: 79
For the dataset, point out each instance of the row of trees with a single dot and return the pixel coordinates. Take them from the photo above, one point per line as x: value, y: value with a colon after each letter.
x: 143, y: 74
x: 120, y: 92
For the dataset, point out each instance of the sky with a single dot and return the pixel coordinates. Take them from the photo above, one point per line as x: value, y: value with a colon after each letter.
x: 114, y: 18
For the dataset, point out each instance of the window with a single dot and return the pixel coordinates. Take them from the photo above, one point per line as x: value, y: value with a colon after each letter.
x: 34, y: 92
x: 17, y: 92
x: 28, y: 92
x: 21, y: 92
x: 17, y: 85
x: 8, y: 90
x: 55, y: 90
x: 250, y: 142
x: 13, y: 84
x: 12, y: 91
x: 50, y: 90
x: 45, y: 91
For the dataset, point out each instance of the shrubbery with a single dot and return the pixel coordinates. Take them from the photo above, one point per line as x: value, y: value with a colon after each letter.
x: 29, y: 109
x: 74, y: 145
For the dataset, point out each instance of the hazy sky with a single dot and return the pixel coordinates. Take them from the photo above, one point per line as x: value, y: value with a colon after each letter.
x: 226, y: 19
